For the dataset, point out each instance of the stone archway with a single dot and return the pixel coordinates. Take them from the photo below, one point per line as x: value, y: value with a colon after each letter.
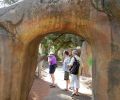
x: 24, y: 24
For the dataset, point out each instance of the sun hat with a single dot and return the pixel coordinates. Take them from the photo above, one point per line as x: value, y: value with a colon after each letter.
x: 51, y: 53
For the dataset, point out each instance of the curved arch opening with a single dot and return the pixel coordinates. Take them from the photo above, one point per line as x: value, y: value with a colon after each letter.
x: 42, y: 69
x: 98, y: 40
x: 38, y: 20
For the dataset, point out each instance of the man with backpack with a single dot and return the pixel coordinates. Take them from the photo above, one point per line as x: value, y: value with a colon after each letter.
x: 74, y: 70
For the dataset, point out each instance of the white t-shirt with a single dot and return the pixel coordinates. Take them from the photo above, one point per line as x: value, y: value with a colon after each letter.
x: 65, y: 63
x: 73, y: 59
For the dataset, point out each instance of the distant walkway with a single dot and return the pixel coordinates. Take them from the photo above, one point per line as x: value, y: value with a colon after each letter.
x: 41, y: 90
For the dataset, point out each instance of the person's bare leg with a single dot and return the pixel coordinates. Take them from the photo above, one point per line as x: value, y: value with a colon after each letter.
x: 67, y: 84
x: 73, y: 93
x: 76, y: 91
x: 53, y: 79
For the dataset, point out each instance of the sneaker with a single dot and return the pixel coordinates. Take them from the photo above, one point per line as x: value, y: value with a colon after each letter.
x: 52, y: 86
x: 76, y: 94
x: 70, y: 88
x: 73, y: 94
x: 65, y: 90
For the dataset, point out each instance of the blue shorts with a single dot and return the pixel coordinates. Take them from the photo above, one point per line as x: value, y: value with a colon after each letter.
x: 52, y: 69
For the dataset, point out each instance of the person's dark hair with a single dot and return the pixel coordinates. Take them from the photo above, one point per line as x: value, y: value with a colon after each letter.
x: 66, y: 52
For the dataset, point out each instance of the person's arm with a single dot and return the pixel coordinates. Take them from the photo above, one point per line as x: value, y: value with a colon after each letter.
x: 49, y: 60
x: 71, y: 62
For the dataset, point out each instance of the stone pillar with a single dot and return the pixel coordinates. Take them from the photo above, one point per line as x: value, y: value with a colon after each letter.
x: 17, y: 66
x: 101, y: 59
x: 85, y: 55
x: 5, y: 65
x: 114, y: 65
x: 29, y: 67
x: 11, y: 54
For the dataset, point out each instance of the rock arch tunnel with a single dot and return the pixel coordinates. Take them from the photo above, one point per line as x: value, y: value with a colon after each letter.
x: 24, y: 24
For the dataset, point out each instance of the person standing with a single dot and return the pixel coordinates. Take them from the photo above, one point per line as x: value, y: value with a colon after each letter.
x: 52, y: 66
x: 74, y: 70
x: 66, y: 68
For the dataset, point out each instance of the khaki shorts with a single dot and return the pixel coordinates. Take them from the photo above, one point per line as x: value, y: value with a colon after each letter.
x: 66, y: 75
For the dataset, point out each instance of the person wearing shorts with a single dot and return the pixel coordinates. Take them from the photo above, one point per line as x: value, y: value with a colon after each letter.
x: 66, y: 69
x: 52, y: 69
x: 66, y: 75
x: 52, y: 66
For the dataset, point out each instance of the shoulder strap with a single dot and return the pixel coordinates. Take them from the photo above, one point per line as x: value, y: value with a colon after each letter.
x: 75, y: 59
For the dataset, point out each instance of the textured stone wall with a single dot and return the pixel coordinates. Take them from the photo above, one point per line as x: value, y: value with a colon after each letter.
x: 24, y: 24
x: 86, y: 53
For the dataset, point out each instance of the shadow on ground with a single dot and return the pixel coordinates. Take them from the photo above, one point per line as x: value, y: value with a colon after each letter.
x: 41, y: 91
x: 58, y: 94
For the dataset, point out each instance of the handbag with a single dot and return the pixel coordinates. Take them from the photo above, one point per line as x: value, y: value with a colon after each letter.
x: 75, y: 68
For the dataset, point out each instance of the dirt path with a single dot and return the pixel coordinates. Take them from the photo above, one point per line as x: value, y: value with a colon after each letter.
x: 41, y: 90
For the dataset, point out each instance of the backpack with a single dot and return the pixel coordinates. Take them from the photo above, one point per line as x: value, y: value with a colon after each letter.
x: 75, y: 68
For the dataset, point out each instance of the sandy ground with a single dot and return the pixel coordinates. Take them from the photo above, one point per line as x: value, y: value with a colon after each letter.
x: 41, y: 90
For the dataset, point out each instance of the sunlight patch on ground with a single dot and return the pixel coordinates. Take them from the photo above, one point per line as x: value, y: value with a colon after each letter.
x: 64, y: 96
x: 59, y: 75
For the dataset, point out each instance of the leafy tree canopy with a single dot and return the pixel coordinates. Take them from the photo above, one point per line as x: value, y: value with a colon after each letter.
x: 59, y: 41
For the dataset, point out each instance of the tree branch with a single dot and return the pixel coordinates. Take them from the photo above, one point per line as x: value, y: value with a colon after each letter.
x: 58, y: 37
x: 96, y: 7
x: 63, y: 44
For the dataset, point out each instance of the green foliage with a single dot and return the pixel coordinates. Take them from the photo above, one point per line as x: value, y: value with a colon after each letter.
x: 54, y: 42
x: 90, y: 61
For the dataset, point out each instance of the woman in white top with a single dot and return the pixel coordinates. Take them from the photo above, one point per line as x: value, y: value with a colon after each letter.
x: 66, y: 69
x: 74, y: 77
